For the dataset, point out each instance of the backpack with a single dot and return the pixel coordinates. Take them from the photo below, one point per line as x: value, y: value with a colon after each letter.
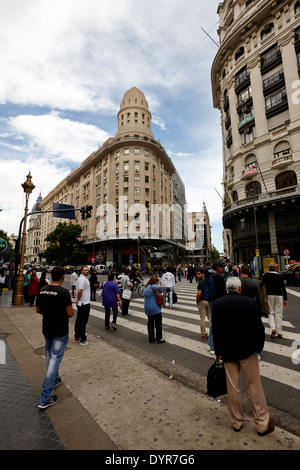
x: 208, y: 288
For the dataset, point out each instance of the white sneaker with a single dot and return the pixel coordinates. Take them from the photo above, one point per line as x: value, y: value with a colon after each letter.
x: 212, y: 351
x: 84, y: 343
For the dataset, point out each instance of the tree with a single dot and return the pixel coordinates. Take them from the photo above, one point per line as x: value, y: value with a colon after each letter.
x: 216, y: 252
x: 64, y: 245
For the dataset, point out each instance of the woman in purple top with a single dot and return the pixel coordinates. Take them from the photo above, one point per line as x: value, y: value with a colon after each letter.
x: 110, y: 299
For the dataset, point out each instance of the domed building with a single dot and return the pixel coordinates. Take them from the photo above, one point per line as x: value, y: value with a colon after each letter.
x: 255, y: 85
x: 138, y: 198
x: 33, y: 236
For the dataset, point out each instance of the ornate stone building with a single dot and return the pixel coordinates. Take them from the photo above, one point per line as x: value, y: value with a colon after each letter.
x: 138, y: 198
x: 256, y: 87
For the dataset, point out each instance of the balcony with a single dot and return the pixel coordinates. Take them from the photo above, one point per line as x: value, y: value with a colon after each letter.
x: 282, y: 161
x: 247, y: 122
x: 249, y: 171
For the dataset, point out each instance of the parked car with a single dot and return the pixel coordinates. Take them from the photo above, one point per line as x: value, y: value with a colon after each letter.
x: 292, y: 275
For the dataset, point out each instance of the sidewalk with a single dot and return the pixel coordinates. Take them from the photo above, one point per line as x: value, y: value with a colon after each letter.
x: 108, y: 400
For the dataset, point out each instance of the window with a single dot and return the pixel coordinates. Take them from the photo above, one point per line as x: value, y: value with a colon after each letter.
x: 239, y: 53
x: 276, y: 99
x: 126, y: 151
x: 267, y: 31
x: 126, y: 166
x: 235, y: 197
x: 270, y: 59
x: 286, y: 179
x: 253, y: 188
x: 281, y: 149
x: 241, y: 76
x: 297, y: 7
x: 136, y: 151
x: 137, y: 166
x: 136, y: 190
x: 247, y: 136
x: 273, y: 79
x: 245, y: 95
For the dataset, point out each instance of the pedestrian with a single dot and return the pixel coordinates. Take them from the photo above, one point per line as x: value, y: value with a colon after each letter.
x: 43, y: 281
x: 153, y: 310
x: 238, y: 339
x: 83, y: 306
x: 277, y: 298
x: 249, y: 287
x: 190, y: 273
x: 219, y: 291
x: 33, y: 288
x: 2, y: 280
x: 179, y: 272
x: 55, y: 305
x: 74, y: 277
x: 126, y: 286
x: 94, y: 284
x: 26, y: 285
x: 110, y: 298
x: 168, y: 284
x: 202, y: 304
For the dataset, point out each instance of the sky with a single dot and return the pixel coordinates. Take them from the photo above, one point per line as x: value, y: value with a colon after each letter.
x: 65, y: 67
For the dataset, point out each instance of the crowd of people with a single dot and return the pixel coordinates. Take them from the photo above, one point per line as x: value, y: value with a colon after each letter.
x: 231, y: 301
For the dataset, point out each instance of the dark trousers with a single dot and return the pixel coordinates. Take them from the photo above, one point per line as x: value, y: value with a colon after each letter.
x: 83, y: 312
x: 107, y: 315
x: 125, y: 305
x: 154, y: 327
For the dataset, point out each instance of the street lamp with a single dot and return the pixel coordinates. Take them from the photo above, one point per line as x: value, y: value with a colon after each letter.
x: 18, y: 298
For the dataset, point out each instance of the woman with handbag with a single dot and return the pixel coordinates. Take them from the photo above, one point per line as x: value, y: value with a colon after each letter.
x: 153, y: 300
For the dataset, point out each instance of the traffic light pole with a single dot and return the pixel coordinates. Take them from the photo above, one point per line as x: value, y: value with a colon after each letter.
x: 17, y: 246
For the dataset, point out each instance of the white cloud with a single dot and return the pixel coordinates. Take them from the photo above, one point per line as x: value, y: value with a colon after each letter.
x: 55, y: 137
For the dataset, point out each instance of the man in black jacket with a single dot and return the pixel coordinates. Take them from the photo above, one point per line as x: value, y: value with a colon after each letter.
x: 239, y: 336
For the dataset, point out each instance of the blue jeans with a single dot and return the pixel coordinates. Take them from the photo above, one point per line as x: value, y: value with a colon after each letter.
x: 168, y: 293
x: 55, y: 348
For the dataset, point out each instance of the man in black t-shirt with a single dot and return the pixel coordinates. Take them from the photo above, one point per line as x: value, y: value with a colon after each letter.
x: 55, y: 304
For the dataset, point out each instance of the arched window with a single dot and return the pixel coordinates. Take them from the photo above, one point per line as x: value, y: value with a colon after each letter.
x: 282, y: 148
x: 286, y: 179
x: 234, y: 196
x: 250, y: 161
x: 266, y: 31
x: 297, y: 7
x: 253, y: 189
x: 239, y: 53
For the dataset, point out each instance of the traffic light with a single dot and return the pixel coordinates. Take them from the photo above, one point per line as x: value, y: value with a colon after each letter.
x: 88, y: 211
x: 83, y: 212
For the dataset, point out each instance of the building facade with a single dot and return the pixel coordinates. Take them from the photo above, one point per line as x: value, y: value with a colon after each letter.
x: 256, y: 87
x: 33, y: 237
x: 138, y: 198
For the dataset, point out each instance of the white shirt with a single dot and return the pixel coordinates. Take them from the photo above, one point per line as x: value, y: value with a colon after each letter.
x: 83, y: 284
x: 74, y: 278
x: 168, y: 280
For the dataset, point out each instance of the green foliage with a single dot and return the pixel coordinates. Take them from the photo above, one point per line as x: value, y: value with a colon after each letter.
x: 64, y: 245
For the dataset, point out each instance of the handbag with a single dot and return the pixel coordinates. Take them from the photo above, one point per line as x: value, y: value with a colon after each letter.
x: 126, y: 294
x: 216, y: 379
x: 159, y: 298
x: 175, y: 298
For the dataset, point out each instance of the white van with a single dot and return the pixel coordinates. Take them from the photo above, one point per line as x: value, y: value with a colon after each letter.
x: 100, y: 268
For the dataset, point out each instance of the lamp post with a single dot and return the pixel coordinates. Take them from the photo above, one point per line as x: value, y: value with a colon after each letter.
x: 18, y: 298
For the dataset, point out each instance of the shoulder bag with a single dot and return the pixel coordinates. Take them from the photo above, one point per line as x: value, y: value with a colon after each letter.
x: 159, y: 298
x: 216, y: 379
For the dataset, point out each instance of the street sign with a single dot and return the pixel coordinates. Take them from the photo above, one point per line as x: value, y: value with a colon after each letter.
x: 256, y: 252
x: 3, y: 245
x: 286, y: 252
x: 65, y: 211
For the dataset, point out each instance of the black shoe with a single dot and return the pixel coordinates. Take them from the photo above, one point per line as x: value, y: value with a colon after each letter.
x: 51, y: 402
x: 58, y: 382
x: 269, y: 429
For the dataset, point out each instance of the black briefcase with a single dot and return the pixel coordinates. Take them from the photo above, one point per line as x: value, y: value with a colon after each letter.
x: 216, y: 379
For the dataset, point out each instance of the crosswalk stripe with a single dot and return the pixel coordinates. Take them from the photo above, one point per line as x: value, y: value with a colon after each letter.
x: 268, y: 370
x: 140, y: 303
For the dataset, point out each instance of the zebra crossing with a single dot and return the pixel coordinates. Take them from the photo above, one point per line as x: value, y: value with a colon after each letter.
x: 181, y: 327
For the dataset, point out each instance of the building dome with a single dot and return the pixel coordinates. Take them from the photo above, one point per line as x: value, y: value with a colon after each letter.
x: 134, y: 116
x: 37, y: 205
